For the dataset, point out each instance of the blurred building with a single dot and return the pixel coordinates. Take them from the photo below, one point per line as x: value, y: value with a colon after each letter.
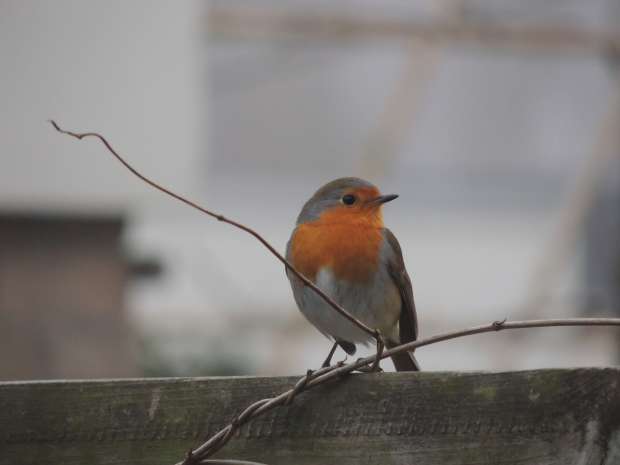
x: 62, y: 309
x: 132, y: 72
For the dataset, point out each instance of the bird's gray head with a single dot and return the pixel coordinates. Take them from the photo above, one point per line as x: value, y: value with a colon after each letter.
x: 348, y: 195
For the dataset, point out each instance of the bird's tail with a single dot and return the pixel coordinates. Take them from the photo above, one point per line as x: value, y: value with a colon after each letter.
x: 404, y: 361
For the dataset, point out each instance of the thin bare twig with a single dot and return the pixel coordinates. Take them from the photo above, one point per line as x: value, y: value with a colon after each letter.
x: 371, y: 332
x: 313, y: 379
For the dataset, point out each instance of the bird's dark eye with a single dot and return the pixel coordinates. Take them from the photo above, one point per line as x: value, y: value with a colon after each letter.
x: 348, y: 199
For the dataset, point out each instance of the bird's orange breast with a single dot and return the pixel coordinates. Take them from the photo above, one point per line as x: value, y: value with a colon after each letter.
x: 346, y: 242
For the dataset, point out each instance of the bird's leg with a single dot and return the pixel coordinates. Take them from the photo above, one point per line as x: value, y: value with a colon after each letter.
x: 328, y: 360
x: 375, y: 367
x: 380, y: 346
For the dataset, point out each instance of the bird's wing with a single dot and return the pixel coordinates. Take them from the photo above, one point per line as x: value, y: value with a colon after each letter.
x: 408, y: 322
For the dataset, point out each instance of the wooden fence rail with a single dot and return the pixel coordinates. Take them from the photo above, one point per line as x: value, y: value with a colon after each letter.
x: 528, y: 417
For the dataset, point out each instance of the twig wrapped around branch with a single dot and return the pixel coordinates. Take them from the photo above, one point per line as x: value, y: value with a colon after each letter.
x: 312, y: 379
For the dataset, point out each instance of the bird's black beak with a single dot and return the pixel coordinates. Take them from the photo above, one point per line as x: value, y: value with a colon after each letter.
x: 383, y: 199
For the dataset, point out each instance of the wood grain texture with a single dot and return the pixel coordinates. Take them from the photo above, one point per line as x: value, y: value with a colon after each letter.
x: 530, y: 417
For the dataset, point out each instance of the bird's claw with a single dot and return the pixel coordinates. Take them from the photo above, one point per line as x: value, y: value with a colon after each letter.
x: 374, y: 368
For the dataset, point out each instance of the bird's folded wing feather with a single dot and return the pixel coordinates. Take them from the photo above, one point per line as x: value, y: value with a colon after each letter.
x: 408, y: 322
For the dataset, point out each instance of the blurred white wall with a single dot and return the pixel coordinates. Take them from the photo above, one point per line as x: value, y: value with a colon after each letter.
x: 131, y: 70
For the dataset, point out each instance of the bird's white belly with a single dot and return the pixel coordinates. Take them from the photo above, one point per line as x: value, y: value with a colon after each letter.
x: 376, y: 303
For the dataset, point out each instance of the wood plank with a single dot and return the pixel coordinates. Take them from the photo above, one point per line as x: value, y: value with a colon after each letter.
x: 528, y: 417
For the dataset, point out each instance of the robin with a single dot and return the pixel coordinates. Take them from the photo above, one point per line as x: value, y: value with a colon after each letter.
x: 341, y: 245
